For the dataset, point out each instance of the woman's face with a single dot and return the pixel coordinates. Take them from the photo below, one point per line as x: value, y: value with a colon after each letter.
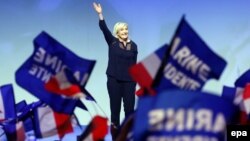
x: 123, y: 33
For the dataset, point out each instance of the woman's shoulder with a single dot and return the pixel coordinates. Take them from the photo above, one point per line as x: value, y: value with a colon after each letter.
x: 133, y: 44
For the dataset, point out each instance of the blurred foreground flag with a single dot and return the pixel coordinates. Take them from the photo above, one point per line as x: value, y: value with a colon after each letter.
x: 96, y: 130
x: 125, y: 132
x: 65, y: 83
x: 235, y: 95
x: 183, y: 115
x: 13, y: 130
x: 7, y: 102
x: 50, y: 123
x: 23, y: 114
x: 184, y: 64
x: 241, y: 97
x: 145, y: 71
x: 246, y: 100
x: 243, y: 79
x: 50, y: 57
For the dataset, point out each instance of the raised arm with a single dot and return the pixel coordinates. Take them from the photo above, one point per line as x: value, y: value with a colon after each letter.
x: 107, y: 34
x: 98, y: 9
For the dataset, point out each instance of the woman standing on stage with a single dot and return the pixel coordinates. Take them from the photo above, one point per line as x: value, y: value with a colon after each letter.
x: 122, y: 52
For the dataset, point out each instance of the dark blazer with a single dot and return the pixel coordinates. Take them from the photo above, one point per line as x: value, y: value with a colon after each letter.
x: 120, y: 57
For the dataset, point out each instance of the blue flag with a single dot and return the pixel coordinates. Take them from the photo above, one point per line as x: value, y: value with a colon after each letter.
x: 190, y: 61
x: 243, y: 79
x: 20, y: 106
x: 229, y: 93
x: 183, y: 115
x: 13, y: 130
x: 50, y: 57
x: 25, y: 113
x: 7, y: 102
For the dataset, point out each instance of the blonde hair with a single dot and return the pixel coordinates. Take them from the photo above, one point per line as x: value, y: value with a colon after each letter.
x: 118, y: 26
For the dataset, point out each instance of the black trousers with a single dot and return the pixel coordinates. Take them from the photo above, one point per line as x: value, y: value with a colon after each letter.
x: 118, y: 91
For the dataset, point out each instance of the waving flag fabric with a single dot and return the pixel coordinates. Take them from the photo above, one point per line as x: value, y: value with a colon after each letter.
x: 49, y: 123
x: 25, y: 113
x: 145, y: 71
x: 243, y: 79
x: 13, y: 130
x: 242, y: 97
x: 246, y: 100
x: 7, y: 110
x: 188, y: 66
x: 20, y: 106
x: 238, y: 92
x: 27, y: 121
x: 235, y: 95
x: 126, y: 129
x: 183, y: 115
x: 7, y: 102
x: 64, y: 83
x: 96, y: 130
x: 185, y: 65
x: 50, y: 57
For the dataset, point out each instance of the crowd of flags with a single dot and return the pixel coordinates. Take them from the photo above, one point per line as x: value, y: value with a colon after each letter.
x: 59, y: 84
x: 171, y: 104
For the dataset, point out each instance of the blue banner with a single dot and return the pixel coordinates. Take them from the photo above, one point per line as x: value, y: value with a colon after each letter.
x: 50, y: 57
x: 190, y: 63
x: 183, y: 115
